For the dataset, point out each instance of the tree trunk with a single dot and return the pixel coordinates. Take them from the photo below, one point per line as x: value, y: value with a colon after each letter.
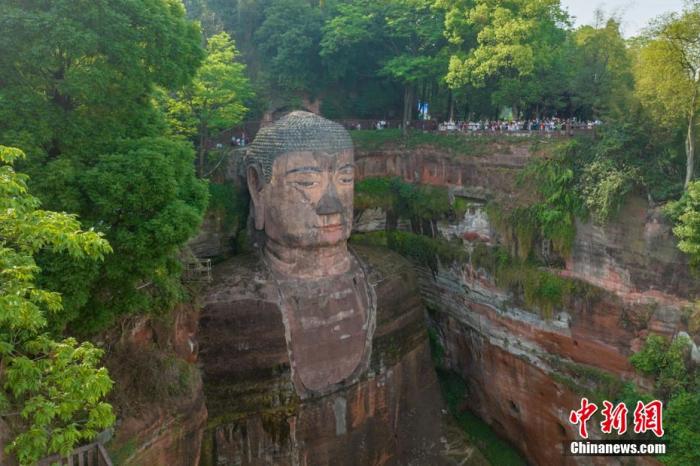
x: 451, y: 104
x: 690, y: 137
x: 203, y: 140
x: 407, y: 107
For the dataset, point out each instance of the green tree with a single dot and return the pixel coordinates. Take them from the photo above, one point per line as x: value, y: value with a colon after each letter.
x: 686, y: 214
x: 415, y: 32
x: 602, y: 80
x: 90, y: 84
x: 77, y: 97
x: 215, y: 99
x: 52, y: 391
x: 288, y: 41
x: 676, y: 383
x: 682, y: 429
x: 400, y: 39
x: 668, y: 76
x: 501, y: 41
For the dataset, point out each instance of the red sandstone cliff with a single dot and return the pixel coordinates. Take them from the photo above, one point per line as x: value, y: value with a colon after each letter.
x: 158, y: 391
x: 525, y: 373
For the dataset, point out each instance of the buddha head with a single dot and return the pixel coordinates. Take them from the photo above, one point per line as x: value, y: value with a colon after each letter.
x: 300, y: 177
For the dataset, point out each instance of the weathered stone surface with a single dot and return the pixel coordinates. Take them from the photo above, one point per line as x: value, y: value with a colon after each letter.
x: 473, y: 177
x: 390, y: 415
x: 370, y: 220
x: 294, y: 132
x: 215, y: 238
x: 163, y: 431
x: 524, y: 372
x: 634, y: 255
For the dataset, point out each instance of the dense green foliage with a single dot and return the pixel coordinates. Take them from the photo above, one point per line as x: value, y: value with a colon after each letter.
x: 603, y: 81
x: 412, y: 201
x: 288, y: 41
x: 52, y: 390
x: 677, y: 383
x: 686, y: 213
x: 373, y: 59
x: 405, y: 38
x: 81, y: 106
x: 673, y: 51
x: 214, y: 100
x: 559, y: 202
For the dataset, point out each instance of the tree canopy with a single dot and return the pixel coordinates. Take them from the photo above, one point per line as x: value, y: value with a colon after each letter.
x: 216, y: 97
x: 81, y: 106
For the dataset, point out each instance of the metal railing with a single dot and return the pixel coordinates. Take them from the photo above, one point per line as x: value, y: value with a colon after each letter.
x: 93, y: 454
x: 197, y: 270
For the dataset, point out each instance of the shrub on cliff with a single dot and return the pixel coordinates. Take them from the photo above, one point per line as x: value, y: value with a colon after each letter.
x: 406, y: 200
x: 52, y: 390
x: 559, y: 200
x: 677, y: 383
x: 686, y: 215
x: 604, y: 187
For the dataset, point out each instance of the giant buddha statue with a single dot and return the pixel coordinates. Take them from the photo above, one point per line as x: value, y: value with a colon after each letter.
x: 313, y: 352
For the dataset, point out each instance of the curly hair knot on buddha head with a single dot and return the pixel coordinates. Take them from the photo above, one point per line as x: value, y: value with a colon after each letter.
x: 295, y: 132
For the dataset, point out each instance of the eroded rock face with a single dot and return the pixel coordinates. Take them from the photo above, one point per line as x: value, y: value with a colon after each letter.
x: 634, y: 255
x: 524, y: 372
x: 157, y: 431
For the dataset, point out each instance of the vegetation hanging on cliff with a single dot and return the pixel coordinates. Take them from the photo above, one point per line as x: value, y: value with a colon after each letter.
x: 686, y: 214
x: 406, y: 200
x: 422, y: 249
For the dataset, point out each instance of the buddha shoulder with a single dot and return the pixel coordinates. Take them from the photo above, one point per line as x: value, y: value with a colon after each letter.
x: 243, y: 277
x: 394, y: 282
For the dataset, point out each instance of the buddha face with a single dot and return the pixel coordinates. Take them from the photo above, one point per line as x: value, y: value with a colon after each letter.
x: 308, y: 201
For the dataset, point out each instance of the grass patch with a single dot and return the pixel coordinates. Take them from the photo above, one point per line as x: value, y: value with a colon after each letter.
x: 496, y: 450
x: 591, y: 382
x: 422, y: 249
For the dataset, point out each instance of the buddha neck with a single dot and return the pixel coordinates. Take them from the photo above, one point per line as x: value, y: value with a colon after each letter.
x: 317, y: 262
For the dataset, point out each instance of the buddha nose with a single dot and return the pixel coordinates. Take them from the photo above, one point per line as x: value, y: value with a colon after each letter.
x: 329, y: 203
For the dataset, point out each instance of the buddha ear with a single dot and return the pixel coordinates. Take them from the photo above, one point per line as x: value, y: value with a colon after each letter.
x: 255, y: 187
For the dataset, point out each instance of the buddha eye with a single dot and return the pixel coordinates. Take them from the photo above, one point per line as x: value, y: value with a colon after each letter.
x: 305, y: 184
x: 304, y: 178
x: 346, y: 175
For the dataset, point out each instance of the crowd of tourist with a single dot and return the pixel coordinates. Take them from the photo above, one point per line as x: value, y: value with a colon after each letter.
x: 546, y: 125
x: 239, y: 141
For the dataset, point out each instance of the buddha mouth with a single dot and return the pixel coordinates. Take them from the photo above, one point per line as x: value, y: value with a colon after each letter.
x: 331, y: 227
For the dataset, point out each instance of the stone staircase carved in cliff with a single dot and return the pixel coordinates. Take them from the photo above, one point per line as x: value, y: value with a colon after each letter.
x: 93, y: 454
